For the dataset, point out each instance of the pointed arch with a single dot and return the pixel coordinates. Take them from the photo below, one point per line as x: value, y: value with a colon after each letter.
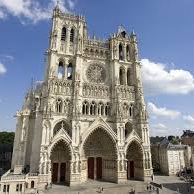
x: 133, y: 137
x: 128, y: 53
x: 121, y: 54
x: 46, y: 132
x: 63, y: 33
x: 85, y: 108
x: 57, y: 139
x: 60, y: 69
x: 128, y: 129
x: 72, y: 35
x: 60, y: 154
x: 128, y: 77
x: 70, y: 71
x: 99, y: 123
x: 62, y: 125
x: 135, y: 159
x: 122, y: 75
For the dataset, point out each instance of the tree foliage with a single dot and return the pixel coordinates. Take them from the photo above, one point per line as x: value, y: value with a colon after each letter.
x: 171, y: 138
x: 7, y: 137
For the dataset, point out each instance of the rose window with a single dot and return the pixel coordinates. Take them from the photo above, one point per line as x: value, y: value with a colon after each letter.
x: 96, y: 73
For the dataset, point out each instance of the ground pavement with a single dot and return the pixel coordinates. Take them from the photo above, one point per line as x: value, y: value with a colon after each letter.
x: 170, y: 183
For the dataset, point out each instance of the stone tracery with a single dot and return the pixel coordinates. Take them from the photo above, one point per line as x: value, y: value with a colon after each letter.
x: 96, y: 73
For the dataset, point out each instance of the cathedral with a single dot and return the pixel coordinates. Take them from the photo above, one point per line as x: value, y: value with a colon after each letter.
x: 87, y: 119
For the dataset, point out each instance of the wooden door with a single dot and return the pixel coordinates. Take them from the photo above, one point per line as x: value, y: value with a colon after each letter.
x: 91, y: 168
x: 99, y: 168
x: 55, y: 172
x: 132, y: 169
x: 62, y: 172
x: 128, y: 169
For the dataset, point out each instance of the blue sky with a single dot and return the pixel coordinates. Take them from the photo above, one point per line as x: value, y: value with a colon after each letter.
x: 165, y: 32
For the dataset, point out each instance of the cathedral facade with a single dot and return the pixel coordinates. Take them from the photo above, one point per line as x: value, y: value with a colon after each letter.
x: 87, y: 119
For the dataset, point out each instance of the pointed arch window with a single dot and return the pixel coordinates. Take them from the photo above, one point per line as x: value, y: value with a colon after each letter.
x: 72, y: 33
x: 122, y: 76
x: 128, y: 53
x: 128, y: 128
x: 120, y: 52
x: 32, y: 184
x: 128, y: 77
x: 100, y: 108
x: 85, y: 108
x: 70, y: 71
x: 93, y: 108
x: 131, y: 110
x: 63, y: 34
x: 107, y: 109
x: 60, y: 70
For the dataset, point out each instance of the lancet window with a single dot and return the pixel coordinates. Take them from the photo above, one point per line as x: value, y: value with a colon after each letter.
x: 60, y: 70
x: 70, y: 71
x: 96, y: 109
x: 122, y: 76
x: 121, y: 55
x: 128, y: 77
x: 63, y: 34
x: 72, y: 33
x: 85, y: 108
x: 128, y: 53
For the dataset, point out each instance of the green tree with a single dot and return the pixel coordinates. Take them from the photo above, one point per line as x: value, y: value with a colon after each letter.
x: 7, y: 137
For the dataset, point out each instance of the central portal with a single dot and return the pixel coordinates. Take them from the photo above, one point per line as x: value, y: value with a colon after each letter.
x: 95, y: 168
x: 100, y: 157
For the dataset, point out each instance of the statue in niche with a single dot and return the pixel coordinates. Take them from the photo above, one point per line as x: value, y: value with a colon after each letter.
x: 120, y: 110
x: 77, y: 109
x: 79, y: 43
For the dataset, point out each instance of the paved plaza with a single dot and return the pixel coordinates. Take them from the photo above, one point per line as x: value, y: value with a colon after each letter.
x: 171, y: 185
x: 92, y: 187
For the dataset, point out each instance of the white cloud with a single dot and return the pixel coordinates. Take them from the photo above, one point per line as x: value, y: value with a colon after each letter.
x: 3, y: 70
x: 159, y: 129
x: 2, y: 15
x: 162, y: 112
x: 189, y: 120
x: 71, y: 4
x: 9, y: 57
x: 33, y: 10
x: 158, y: 80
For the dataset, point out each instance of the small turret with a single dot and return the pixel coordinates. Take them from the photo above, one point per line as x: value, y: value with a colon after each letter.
x: 56, y: 10
x: 133, y: 33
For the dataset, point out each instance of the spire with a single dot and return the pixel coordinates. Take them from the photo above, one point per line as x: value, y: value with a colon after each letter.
x: 121, y: 29
x: 56, y: 9
x: 32, y: 85
x: 133, y: 33
x: 57, y: 5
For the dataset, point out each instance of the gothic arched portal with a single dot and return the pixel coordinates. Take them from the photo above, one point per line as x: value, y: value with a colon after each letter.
x: 60, y: 162
x: 134, y: 156
x: 99, y: 156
